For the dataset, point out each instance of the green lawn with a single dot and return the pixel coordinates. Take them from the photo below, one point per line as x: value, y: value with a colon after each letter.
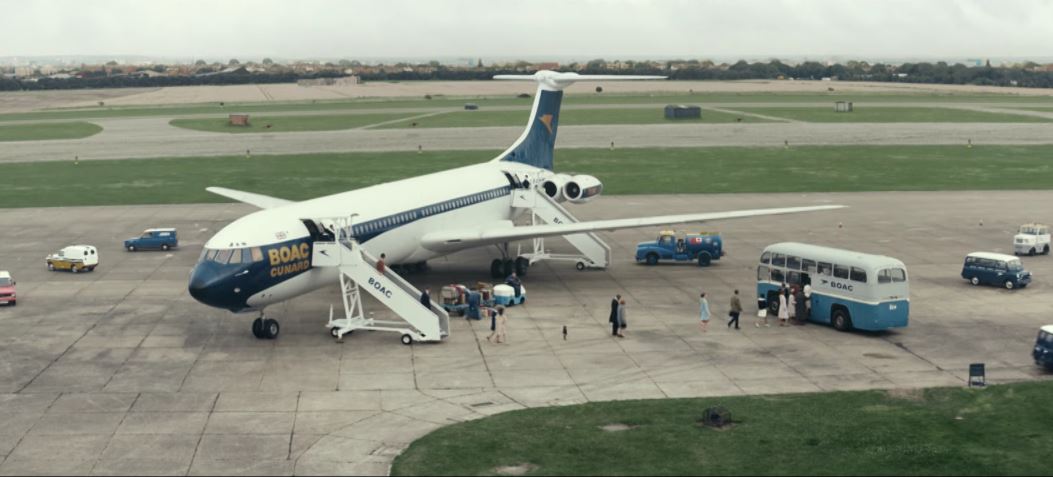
x: 1000, y: 430
x: 573, y: 97
x: 288, y: 123
x: 568, y: 117
x: 891, y: 115
x: 623, y: 171
x: 36, y: 132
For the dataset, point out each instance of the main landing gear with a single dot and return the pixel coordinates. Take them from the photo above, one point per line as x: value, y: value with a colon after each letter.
x: 501, y: 268
x: 265, y: 328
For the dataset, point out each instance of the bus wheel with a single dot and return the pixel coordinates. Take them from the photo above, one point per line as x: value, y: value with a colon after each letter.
x: 975, y: 281
x: 841, y: 320
x: 1031, y: 253
x: 1045, y: 251
x: 703, y: 259
x: 773, y: 303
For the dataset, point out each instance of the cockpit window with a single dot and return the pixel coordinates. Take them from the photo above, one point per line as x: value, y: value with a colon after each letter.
x: 222, y: 256
x: 257, y: 254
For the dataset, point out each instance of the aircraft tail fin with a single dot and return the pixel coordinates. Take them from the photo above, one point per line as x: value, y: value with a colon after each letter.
x: 537, y: 143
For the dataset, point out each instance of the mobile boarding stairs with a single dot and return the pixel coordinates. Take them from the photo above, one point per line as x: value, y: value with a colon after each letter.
x: 358, y: 272
x: 593, y: 251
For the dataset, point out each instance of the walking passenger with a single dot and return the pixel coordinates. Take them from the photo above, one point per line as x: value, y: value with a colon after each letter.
x: 800, y: 307
x: 425, y: 298
x: 380, y: 263
x: 784, y: 310
x: 615, y: 305
x: 703, y: 311
x: 622, y: 324
x: 736, y: 310
x: 791, y: 304
x: 501, y: 333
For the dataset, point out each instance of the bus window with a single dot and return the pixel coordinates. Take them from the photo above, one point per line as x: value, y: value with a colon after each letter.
x: 762, y: 273
x: 884, y: 276
x: 776, y: 275
x: 778, y: 260
x: 793, y: 263
x: 765, y: 258
x: 807, y: 266
x: 840, y: 272
x: 859, y: 275
x: 793, y: 278
x: 825, y: 268
x: 898, y: 275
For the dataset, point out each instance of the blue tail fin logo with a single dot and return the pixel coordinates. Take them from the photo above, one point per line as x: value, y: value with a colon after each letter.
x: 538, y: 142
x: 537, y: 145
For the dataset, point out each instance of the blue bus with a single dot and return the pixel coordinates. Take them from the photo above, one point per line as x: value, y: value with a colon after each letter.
x: 849, y: 290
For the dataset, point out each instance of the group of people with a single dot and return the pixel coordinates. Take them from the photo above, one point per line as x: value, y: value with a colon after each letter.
x: 795, y: 305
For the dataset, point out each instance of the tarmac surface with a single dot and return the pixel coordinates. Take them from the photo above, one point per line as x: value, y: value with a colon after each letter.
x: 119, y: 371
x: 152, y: 137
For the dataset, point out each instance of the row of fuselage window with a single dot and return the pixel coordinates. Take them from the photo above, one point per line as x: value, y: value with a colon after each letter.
x: 798, y: 264
x: 255, y: 254
x: 383, y: 224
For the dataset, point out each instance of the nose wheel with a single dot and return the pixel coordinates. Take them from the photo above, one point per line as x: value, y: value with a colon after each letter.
x: 265, y: 328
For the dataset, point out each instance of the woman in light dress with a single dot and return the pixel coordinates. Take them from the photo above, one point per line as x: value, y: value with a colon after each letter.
x: 622, y: 324
x: 703, y: 310
x: 784, y: 308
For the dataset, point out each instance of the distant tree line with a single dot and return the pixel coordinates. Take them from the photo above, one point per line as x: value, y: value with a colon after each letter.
x: 138, y: 81
x: 1025, y: 75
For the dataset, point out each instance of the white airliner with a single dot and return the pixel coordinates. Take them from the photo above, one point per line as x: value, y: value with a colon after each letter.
x: 266, y: 257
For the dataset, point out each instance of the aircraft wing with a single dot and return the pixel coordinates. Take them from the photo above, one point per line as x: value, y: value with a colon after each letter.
x: 506, y: 231
x: 259, y: 200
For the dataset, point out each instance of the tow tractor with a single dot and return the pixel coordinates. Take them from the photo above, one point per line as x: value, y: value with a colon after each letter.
x: 702, y: 248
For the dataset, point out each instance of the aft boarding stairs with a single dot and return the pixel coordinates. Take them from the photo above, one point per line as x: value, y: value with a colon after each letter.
x: 358, y: 272
x: 594, y: 252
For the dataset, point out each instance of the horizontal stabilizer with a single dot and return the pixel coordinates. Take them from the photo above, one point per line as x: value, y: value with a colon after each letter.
x: 556, y: 81
x: 259, y: 200
x: 505, y: 231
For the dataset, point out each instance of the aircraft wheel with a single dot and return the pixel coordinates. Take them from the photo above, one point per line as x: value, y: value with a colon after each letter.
x: 508, y: 266
x: 407, y: 339
x: 522, y: 264
x: 271, y: 329
x: 496, y: 267
x: 257, y: 328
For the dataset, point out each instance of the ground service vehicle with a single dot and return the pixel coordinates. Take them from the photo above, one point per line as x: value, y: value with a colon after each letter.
x: 7, y: 289
x: 850, y: 290
x: 75, y: 258
x: 1031, y: 239
x: 995, y: 269
x: 1043, y: 352
x: 702, y: 248
x: 153, y: 239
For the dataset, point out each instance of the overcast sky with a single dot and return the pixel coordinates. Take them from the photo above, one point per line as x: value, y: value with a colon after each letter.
x: 543, y: 28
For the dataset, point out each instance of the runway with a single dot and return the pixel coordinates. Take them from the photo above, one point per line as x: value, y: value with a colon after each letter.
x: 152, y: 138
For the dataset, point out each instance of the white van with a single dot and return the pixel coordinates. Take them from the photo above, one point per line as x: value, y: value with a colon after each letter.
x: 75, y: 258
x: 1031, y: 239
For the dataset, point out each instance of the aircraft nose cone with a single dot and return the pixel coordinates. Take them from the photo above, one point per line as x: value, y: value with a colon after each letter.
x: 203, y: 286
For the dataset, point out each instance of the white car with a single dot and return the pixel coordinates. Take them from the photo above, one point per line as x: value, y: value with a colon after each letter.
x: 1031, y: 239
x: 75, y: 258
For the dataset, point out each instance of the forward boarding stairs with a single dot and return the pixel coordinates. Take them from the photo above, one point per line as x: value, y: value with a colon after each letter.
x: 358, y: 271
x: 593, y: 251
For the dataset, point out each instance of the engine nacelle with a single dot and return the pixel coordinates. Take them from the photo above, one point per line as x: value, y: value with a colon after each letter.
x: 553, y: 186
x: 582, y: 188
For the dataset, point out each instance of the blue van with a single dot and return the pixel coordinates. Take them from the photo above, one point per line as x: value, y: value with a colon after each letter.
x: 153, y: 239
x: 995, y: 269
x: 1043, y: 352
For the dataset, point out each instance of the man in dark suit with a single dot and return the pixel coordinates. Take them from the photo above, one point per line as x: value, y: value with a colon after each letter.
x: 615, y: 326
x: 425, y: 299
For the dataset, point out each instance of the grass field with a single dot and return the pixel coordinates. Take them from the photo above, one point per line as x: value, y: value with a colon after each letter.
x: 1000, y: 430
x: 572, y: 98
x: 567, y: 117
x: 623, y: 171
x: 35, y: 132
x: 892, y: 115
x: 260, y: 124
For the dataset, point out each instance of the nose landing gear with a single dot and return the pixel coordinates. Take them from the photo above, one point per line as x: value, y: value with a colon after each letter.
x: 265, y: 328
